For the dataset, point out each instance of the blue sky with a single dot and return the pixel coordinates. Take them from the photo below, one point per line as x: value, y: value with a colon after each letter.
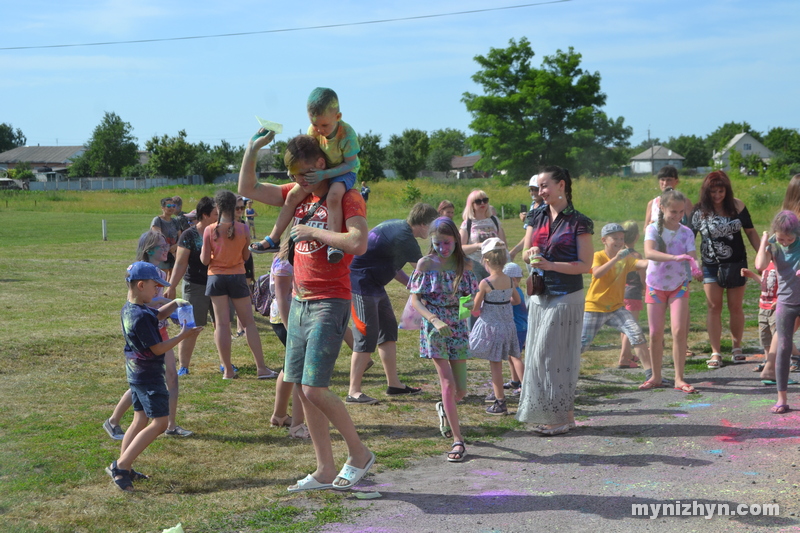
x: 675, y: 67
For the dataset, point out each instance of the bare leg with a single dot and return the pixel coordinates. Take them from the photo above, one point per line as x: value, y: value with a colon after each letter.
x: 348, y: 338
x: 293, y: 199
x: 678, y: 308
x: 185, y: 351
x: 334, y: 202
x: 171, y: 375
x: 123, y: 405
x: 625, y: 352
x: 358, y: 364
x: 222, y: 334
x: 714, y: 317
x: 138, y: 437
x: 323, y: 407
x: 656, y: 317
x: 450, y: 378
x: 283, y: 391
x: 244, y: 310
x: 497, y: 379
x: 517, y: 368
x: 735, y: 302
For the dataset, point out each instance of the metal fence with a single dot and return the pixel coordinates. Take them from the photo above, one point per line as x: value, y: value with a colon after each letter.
x: 99, y: 184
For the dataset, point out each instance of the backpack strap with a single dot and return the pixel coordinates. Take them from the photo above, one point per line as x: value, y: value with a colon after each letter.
x: 496, y: 223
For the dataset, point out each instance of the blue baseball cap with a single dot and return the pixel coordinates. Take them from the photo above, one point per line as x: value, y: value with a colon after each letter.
x: 143, y: 270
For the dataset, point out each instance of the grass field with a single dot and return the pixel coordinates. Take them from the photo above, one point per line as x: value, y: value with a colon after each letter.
x: 61, y: 288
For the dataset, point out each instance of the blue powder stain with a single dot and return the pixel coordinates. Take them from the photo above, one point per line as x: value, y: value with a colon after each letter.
x: 751, y: 473
x: 713, y: 451
x: 695, y: 405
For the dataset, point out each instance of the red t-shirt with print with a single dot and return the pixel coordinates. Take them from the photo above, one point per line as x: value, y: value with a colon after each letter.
x: 314, y: 277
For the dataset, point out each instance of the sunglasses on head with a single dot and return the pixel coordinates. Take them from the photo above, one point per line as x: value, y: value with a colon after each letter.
x: 480, y: 201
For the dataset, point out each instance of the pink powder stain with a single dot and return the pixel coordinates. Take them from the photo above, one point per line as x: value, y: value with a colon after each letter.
x: 680, y: 415
x: 732, y: 437
x: 490, y: 493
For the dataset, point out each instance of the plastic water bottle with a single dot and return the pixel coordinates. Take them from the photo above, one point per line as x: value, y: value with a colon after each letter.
x: 186, y: 316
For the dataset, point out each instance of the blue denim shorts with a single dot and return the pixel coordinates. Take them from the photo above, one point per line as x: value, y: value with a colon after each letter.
x: 314, y: 337
x: 348, y: 180
x: 152, y: 398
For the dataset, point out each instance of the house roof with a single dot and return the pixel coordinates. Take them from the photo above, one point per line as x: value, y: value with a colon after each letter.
x: 464, y: 161
x: 657, y: 152
x: 41, y: 154
x: 736, y: 138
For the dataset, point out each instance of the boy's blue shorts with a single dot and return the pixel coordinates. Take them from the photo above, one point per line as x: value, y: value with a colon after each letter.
x: 348, y: 180
x: 152, y: 398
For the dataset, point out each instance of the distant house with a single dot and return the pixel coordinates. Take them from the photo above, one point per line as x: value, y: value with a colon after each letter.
x: 45, y: 161
x: 463, y: 166
x: 654, y: 159
x: 745, y: 144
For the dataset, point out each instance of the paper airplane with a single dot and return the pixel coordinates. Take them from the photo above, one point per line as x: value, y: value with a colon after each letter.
x: 272, y: 126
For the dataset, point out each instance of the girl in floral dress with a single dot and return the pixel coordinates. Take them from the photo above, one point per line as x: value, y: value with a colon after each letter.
x: 437, y: 283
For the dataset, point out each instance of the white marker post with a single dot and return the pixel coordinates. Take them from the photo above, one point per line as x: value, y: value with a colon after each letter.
x: 105, y: 230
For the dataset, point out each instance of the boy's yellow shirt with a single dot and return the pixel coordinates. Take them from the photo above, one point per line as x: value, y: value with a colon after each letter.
x: 607, y: 294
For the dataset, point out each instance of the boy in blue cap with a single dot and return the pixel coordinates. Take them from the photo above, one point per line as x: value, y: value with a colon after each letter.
x: 144, y: 366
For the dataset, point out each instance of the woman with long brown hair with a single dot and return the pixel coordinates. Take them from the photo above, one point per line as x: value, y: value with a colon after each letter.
x: 720, y: 218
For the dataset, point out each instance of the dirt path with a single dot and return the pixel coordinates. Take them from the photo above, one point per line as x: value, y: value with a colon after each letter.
x: 721, y: 446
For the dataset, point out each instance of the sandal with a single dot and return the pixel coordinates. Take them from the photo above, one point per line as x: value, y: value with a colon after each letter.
x: 300, y: 431
x: 794, y: 367
x: 454, y: 456
x: 280, y: 421
x: 759, y: 367
x: 737, y: 356
x: 444, y: 427
x: 647, y: 385
x: 715, y: 361
x: 780, y: 409
x: 259, y: 248
x: 121, y: 477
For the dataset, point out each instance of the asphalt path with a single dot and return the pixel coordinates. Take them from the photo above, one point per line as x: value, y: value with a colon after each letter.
x: 721, y: 446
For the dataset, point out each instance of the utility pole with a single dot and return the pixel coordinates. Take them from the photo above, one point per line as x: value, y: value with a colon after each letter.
x: 652, y: 162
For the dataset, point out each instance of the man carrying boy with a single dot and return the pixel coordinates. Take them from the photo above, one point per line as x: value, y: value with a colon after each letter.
x: 605, y: 300
x: 144, y: 366
x: 392, y: 244
x: 340, y: 143
x: 320, y: 308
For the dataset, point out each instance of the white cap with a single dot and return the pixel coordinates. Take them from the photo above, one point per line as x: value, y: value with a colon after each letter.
x: 492, y: 243
x: 512, y: 270
x: 534, y: 182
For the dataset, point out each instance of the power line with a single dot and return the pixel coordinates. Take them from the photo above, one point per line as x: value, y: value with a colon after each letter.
x: 284, y: 30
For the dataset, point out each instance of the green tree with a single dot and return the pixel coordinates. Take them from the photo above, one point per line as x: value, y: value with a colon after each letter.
x: 552, y: 115
x: 10, y: 139
x: 443, y: 145
x: 170, y: 156
x: 721, y: 136
x: 22, y: 171
x: 406, y: 153
x: 693, y: 148
x: 111, y: 147
x: 371, y: 157
x: 785, y: 142
x: 278, y: 151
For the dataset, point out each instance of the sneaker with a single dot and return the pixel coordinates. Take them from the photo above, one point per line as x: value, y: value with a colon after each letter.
x: 497, y: 408
x: 179, y: 432
x: 490, y: 398
x: 512, y: 385
x: 183, y: 371
x: 222, y: 368
x: 334, y: 255
x: 363, y: 400
x: 115, y: 432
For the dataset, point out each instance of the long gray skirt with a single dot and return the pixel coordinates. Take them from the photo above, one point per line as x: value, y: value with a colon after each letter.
x: 552, y: 358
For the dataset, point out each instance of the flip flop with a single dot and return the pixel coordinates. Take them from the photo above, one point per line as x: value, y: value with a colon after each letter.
x: 269, y: 375
x: 780, y: 409
x: 632, y: 364
x: 773, y: 382
x: 352, y: 474
x: 309, y: 483
x: 647, y: 385
x: 688, y: 389
x: 444, y: 428
x: 635, y: 359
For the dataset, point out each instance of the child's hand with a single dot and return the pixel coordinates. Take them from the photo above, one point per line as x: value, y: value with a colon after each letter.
x: 443, y: 329
x: 313, y: 177
x: 181, y: 302
x: 191, y: 332
x: 302, y: 232
x: 623, y: 252
x: 683, y: 257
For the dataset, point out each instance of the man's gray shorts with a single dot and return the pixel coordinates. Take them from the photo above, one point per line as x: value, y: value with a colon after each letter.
x: 375, y: 322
